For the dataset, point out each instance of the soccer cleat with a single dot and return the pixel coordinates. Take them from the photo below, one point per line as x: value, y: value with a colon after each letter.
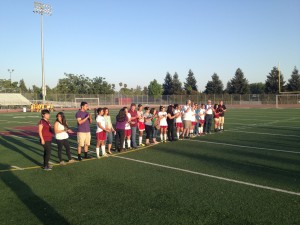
x: 71, y: 161
x: 62, y: 163
x: 47, y: 168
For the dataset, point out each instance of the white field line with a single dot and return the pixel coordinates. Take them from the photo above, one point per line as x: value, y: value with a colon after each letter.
x: 264, y: 124
x: 16, y: 167
x: 245, y: 146
x: 249, y: 132
x: 212, y: 176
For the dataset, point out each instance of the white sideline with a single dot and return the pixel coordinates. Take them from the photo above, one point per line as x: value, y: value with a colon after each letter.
x: 245, y: 146
x: 16, y: 167
x: 249, y: 132
x: 212, y: 176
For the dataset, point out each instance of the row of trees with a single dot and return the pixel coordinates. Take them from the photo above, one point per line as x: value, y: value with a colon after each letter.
x: 80, y: 84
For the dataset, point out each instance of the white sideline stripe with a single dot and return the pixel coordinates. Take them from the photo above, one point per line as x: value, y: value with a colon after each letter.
x: 16, y: 167
x: 212, y: 176
x: 249, y: 132
x: 245, y: 146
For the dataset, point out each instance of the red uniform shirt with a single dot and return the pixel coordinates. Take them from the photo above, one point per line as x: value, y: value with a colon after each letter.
x: 134, y: 121
x: 46, y: 131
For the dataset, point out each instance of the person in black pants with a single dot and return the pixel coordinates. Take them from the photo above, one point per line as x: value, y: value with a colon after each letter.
x: 170, y: 121
x: 208, y: 117
x: 121, y: 120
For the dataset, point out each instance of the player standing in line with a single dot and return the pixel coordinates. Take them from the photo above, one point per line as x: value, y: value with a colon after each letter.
x: 127, y: 130
x: 133, y: 124
x: 178, y: 120
x: 187, y: 117
x: 162, y: 115
x: 193, y: 120
x: 121, y: 121
x: 216, y: 117
x: 208, y: 117
x: 84, y: 119
x: 202, y: 119
x: 222, y: 116
x: 141, y: 124
x: 148, y: 124
x: 100, y: 133
x: 45, y: 134
x: 170, y: 121
x: 155, y: 123
x: 111, y: 131
x: 61, y: 130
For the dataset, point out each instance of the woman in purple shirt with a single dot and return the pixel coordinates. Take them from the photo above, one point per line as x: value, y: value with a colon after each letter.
x: 121, y: 120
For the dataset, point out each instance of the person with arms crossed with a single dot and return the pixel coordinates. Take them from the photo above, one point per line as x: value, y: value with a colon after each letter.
x: 222, y: 116
x: 133, y: 124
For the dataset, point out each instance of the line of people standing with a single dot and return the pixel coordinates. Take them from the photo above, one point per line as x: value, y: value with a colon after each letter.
x: 187, y: 121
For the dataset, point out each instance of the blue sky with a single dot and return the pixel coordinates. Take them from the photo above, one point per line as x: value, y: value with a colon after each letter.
x: 133, y: 41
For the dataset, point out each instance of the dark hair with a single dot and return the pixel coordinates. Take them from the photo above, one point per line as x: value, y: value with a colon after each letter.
x: 45, y: 111
x: 139, y: 105
x: 63, y: 119
x: 121, y: 117
x: 170, y: 109
x: 161, y: 107
x: 99, y: 110
x: 146, y: 108
x: 216, y: 106
x: 175, y: 105
x: 105, y: 108
x: 152, y: 110
x: 83, y: 104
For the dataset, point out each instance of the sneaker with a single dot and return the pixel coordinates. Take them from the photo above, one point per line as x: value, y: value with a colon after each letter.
x: 62, y: 163
x: 71, y: 161
x: 47, y: 168
x: 98, y: 156
x: 79, y: 158
x: 141, y: 145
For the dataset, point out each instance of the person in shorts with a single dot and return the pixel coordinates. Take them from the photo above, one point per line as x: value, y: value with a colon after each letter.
x: 187, y: 118
x: 178, y: 120
x: 222, y: 116
x: 100, y: 133
x: 128, y: 130
x: 162, y: 115
x: 141, y: 124
x: 111, y: 131
x: 84, y: 119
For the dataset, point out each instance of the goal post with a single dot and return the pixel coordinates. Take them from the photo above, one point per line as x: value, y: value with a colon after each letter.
x: 286, y: 100
x: 92, y: 102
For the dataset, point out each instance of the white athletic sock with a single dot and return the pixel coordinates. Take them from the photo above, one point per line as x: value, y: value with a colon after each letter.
x: 128, y: 143
x: 222, y: 127
x: 140, y: 140
x: 201, y: 130
x: 177, y: 135
x: 165, y: 136
x: 161, y: 137
x: 97, y: 152
x: 124, y: 144
x: 103, y: 150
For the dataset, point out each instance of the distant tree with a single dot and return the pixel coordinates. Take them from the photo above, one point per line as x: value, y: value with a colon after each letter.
x: 22, y: 86
x: 215, y: 86
x: 100, y: 86
x: 176, y: 85
x: 145, y: 90
x: 272, y: 82
x: 190, y: 85
x: 138, y: 90
x: 294, y: 81
x: 155, y: 89
x: 125, y: 85
x: 168, y: 85
x: 257, y: 88
x: 238, y: 84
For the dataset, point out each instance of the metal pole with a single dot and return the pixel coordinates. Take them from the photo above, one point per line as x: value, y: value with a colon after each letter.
x: 42, y: 47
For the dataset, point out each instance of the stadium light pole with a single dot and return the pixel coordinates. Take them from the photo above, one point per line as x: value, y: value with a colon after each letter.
x: 10, y: 72
x: 42, y: 9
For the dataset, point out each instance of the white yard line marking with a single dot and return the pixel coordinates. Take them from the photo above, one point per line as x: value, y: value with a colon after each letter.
x: 212, y: 176
x: 249, y: 132
x: 245, y: 146
x: 16, y: 167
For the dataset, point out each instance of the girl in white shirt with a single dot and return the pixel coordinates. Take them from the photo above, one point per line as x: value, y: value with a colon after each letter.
x: 100, y: 133
x: 178, y: 120
x: 162, y: 115
x: 127, y: 129
x: 61, y: 130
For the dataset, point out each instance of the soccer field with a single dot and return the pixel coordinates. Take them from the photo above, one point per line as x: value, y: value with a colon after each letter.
x: 248, y: 174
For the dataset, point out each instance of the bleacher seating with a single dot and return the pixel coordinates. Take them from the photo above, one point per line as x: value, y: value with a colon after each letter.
x: 7, y: 99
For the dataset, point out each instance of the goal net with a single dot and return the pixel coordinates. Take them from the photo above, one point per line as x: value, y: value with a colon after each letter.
x: 92, y: 102
x: 287, y: 100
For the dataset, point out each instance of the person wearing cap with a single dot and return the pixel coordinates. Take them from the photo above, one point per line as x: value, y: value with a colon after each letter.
x: 141, y: 124
x: 45, y: 134
x: 208, y: 117
x: 133, y: 124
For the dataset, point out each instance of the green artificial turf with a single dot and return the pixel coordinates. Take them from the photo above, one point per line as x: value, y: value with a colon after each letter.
x: 258, y: 146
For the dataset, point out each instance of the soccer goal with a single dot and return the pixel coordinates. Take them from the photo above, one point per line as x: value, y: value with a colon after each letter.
x: 287, y: 100
x: 92, y: 102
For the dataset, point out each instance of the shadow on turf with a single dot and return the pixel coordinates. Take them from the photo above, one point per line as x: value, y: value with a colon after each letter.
x: 243, y: 166
x: 37, y: 206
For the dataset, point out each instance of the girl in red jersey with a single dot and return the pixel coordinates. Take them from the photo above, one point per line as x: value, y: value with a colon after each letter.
x: 216, y: 111
x: 45, y: 134
x: 178, y: 120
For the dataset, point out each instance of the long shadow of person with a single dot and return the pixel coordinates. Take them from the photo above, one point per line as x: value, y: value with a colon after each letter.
x: 44, y: 212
